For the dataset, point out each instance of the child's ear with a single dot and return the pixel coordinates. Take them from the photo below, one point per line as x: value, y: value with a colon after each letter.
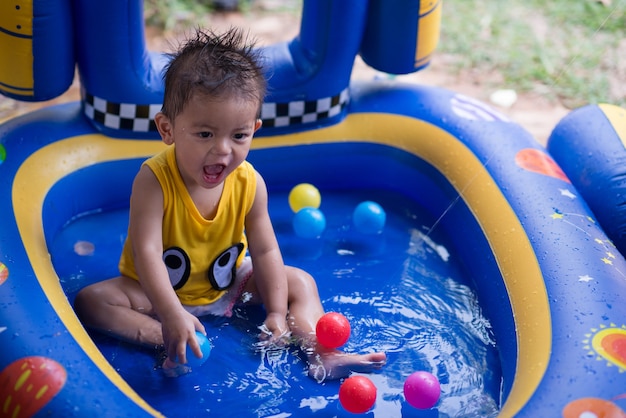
x: 257, y: 124
x: 165, y: 128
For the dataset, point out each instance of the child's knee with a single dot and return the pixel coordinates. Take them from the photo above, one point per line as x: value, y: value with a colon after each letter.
x: 301, y: 279
x: 85, y: 301
x: 93, y: 299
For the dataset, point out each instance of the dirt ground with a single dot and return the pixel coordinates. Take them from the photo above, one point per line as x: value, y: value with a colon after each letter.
x: 534, y: 112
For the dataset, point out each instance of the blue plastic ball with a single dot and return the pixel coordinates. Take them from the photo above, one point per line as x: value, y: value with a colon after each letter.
x: 309, y: 223
x: 369, y: 218
x: 205, y: 347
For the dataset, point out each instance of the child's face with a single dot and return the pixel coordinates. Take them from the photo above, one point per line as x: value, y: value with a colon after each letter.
x: 212, y: 137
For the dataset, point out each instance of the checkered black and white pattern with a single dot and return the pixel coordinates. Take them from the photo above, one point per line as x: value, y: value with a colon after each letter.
x: 140, y: 117
x: 122, y: 116
x: 298, y: 112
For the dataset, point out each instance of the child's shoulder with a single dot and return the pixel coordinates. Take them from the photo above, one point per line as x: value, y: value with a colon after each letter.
x: 162, y: 164
x: 247, y: 165
x: 162, y: 158
x: 246, y: 172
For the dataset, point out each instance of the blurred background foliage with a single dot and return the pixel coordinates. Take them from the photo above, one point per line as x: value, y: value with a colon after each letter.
x: 572, y: 51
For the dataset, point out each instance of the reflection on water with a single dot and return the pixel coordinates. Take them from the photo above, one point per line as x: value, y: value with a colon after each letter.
x: 425, y: 319
x: 402, y: 292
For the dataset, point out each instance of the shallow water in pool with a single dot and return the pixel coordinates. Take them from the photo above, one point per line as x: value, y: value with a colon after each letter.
x: 402, y: 291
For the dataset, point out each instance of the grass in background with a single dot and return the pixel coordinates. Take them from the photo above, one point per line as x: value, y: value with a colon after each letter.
x: 573, y: 51
x: 173, y: 14
x: 183, y: 14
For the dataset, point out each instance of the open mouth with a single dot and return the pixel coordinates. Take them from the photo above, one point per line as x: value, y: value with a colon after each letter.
x: 213, y: 172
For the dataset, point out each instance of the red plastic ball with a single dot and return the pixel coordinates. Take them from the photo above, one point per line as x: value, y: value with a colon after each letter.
x: 332, y: 330
x: 422, y: 390
x: 357, y: 394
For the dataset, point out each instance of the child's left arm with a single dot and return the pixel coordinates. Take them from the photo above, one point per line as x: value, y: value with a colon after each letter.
x: 269, y: 269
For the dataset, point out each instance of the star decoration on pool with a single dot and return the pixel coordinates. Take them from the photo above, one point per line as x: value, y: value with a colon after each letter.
x: 608, y: 258
x: 570, y: 218
x: 583, y: 224
x: 567, y: 193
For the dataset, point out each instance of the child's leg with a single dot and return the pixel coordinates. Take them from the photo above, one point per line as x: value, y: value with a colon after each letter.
x: 305, y: 309
x: 119, y: 307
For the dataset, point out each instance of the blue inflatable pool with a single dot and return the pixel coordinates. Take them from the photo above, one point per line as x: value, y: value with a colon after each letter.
x: 530, y: 321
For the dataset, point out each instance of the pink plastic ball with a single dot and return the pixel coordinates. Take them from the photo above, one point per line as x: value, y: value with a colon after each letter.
x: 422, y: 390
x: 332, y: 330
x: 357, y: 394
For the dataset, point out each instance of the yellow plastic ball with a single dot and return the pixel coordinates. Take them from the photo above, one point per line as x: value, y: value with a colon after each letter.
x: 304, y: 195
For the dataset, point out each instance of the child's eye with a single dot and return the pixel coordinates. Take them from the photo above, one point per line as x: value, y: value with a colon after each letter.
x: 240, y: 136
x: 205, y: 134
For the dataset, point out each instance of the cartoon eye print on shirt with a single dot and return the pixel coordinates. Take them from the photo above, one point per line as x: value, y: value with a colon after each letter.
x: 223, y: 270
x: 178, y: 266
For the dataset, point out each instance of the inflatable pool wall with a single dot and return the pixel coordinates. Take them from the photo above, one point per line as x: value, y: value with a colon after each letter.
x: 36, y: 49
x: 549, y: 279
x: 589, y: 145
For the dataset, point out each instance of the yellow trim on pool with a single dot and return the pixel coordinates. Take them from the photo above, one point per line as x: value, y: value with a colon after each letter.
x: 33, y: 180
x: 16, y: 47
x: 617, y: 116
x: 428, y: 30
x: 508, y: 240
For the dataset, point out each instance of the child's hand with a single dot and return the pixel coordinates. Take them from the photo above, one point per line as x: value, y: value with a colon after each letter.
x: 275, y: 329
x: 179, y: 329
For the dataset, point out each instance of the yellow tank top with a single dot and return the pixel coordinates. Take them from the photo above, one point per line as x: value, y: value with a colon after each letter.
x: 201, y: 255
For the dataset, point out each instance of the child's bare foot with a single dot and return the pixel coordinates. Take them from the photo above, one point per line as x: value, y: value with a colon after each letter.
x: 334, y: 364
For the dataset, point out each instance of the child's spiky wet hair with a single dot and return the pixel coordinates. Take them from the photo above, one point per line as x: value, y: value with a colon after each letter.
x: 216, y: 65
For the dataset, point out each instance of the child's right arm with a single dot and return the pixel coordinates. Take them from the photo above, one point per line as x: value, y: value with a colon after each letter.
x: 145, y: 230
